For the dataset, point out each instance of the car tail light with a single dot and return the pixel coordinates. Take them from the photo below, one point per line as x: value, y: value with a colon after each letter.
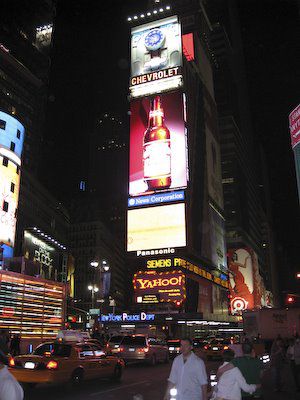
x: 52, y: 365
x: 226, y: 347
x: 12, y: 362
x: 120, y: 349
x: 206, y: 347
x: 146, y: 349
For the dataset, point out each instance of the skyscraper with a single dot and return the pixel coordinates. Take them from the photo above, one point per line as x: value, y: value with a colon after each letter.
x: 244, y: 174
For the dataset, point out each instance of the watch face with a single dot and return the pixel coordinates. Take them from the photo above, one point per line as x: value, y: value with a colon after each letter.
x: 154, y: 39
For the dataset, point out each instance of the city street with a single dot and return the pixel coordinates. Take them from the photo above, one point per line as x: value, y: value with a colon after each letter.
x: 150, y: 382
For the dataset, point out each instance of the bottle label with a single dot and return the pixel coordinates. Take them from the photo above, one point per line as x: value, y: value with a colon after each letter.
x: 157, y: 159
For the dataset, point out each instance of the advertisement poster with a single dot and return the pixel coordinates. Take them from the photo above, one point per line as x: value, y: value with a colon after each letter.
x: 152, y: 286
x: 294, y: 122
x: 205, y: 297
x: 156, y: 227
x: 220, y: 300
x: 247, y: 288
x: 156, y: 56
x: 214, y: 174
x: 158, y: 146
x: 217, y: 240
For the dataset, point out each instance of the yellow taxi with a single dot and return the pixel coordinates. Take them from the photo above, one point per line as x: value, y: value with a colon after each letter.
x: 58, y: 362
x: 215, y: 348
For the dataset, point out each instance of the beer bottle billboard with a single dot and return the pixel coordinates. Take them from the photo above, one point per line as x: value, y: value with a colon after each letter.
x: 157, y: 149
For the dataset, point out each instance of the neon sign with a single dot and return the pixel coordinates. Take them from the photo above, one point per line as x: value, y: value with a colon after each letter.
x: 152, y: 286
x: 141, y: 317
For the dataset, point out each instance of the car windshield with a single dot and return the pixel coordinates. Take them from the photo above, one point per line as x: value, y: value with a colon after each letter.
x: 215, y: 342
x: 134, y: 341
x: 53, y: 349
x: 173, y: 343
x: 116, y: 339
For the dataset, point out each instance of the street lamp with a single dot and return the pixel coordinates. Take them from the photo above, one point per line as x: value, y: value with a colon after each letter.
x: 94, y: 289
x: 103, y: 266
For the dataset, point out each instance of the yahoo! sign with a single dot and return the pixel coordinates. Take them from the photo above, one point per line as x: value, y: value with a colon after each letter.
x: 141, y: 317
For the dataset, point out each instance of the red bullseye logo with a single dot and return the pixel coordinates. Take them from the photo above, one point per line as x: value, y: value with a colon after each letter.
x: 238, y: 304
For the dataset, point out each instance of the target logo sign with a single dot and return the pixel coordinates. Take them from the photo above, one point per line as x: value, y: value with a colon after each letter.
x: 238, y: 304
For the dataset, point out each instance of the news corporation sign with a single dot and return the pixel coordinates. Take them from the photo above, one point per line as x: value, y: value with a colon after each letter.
x: 124, y: 317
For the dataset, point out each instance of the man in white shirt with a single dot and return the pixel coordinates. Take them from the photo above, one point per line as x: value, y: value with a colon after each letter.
x: 10, y: 389
x: 231, y: 382
x: 188, y: 375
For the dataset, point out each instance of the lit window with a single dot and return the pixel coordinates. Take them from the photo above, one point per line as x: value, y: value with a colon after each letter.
x: 5, y: 206
x: 2, y: 124
x: 82, y: 185
x: 5, y: 161
x: 227, y: 180
x: 12, y: 187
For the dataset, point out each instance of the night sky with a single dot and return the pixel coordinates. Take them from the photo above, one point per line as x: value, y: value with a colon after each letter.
x: 90, y: 74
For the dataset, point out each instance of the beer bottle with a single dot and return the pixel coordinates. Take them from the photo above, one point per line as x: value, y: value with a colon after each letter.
x: 157, y: 149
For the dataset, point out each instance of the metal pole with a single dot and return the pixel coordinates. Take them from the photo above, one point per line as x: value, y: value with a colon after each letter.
x: 93, y: 298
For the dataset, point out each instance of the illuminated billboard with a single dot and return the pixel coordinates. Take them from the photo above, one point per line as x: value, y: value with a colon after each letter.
x: 158, y: 287
x: 32, y: 307
x: 156, y: 57
x: 156, y: 227
x: 158, y: 145
x: 294, y: 122
x: 247, y: 288
x: 45, y: 255
x: 11, y: 144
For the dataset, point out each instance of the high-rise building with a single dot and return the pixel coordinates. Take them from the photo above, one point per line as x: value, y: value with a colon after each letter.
x: 244, y: 173
x: 90, y: 240
x: 25, y: 45
x: 25, y: 40
x: 107, y: 174
x: 175, y: 222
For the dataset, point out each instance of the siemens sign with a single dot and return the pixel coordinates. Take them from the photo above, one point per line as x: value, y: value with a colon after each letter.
x: 156, y: 199
x: 141, y: 317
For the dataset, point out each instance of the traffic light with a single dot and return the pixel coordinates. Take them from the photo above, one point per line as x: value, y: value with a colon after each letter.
x: 72, y: 318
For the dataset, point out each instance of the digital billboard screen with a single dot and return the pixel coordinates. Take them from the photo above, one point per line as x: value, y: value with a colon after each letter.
x: 158, y: 144
x: 44, y: 255
x: 11, y: 144
x: 156, y: 227
x: 155, y: 287
x: 156, y: 57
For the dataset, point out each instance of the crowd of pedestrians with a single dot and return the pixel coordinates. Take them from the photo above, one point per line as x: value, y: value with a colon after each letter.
x: 237, y: 378
x: 10, y: 389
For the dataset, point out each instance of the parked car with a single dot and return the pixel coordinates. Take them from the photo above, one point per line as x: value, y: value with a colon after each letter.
x: 113, y: 345
x: 143, y: 348
x: 174, y: 347
x: 57, y: 362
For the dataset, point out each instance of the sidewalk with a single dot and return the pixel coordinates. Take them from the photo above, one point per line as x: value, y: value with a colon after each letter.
x: 288, y: 389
